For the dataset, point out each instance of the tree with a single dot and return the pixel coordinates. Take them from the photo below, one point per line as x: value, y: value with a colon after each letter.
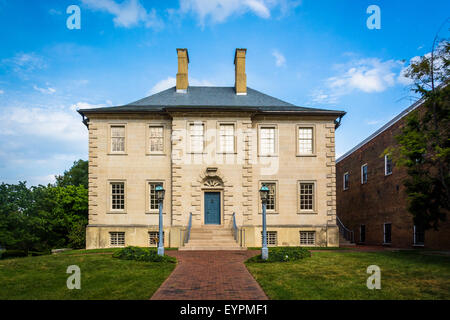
x: 75, y: 176
x: 424, y: 142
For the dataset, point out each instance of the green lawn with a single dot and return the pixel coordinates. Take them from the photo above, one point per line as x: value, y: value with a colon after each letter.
x: 102, y: 277
x: 342, y: 275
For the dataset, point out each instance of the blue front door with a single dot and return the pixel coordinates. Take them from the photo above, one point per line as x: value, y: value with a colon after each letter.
x: 212, y: 207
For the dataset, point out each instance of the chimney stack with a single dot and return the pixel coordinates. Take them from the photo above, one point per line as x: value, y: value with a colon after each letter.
x: 240, y: 76
x: 182, y: 75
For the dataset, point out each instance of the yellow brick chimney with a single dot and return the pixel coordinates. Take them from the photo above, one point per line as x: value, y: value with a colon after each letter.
x: 182, y: 75
x: 240, y: 76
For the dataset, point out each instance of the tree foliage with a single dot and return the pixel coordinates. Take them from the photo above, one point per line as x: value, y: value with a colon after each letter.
x: 424, y: 142
x: 45, y: 217
x: 75, y: 176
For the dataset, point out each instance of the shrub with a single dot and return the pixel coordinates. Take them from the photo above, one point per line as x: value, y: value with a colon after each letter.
x: 283, y: 254
x: 142, y: 254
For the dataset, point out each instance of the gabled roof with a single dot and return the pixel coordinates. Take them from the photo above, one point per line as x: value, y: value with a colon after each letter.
x: 223, y: 98
x: 394, y: 120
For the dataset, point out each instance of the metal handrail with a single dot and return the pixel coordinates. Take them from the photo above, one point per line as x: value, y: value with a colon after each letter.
x: 235, y: 228
x: 188, y: 233
x: 347, y: 233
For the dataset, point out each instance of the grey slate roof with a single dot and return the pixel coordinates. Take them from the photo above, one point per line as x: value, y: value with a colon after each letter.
x: 223, y: 98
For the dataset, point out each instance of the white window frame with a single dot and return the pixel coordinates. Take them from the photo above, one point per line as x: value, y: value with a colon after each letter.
x: 272, y: 211
x: 148, y: 199
x: 110, y: 196
x: 116, y: 241
x: 362, y: 173
x: 348, y: 180
x: 314, y: 205
x: 313, y: 140
x: 271, y: 236
x: 110, y: 139
x: 220, y: 137
x: 190, y: 135
x: 149, y: 145
x: 386, y: 173
x: 274, y: 127
x: 307, y: 241
x: 150, y: 237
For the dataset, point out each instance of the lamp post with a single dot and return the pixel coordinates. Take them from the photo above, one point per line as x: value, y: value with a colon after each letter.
x: 160, y: 196
x: 264, y: 193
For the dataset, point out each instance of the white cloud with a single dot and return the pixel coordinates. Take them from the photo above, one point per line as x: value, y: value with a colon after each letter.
x: 280, y: 60
x: 367, y: 75
x: 24, y: 63
x: 53, y: 124
x: 2, y: 92
x: 217, y: 11
x: 49, y: 90
x: 371, y: 75
x: 171, y: 82
x: 128, y: 13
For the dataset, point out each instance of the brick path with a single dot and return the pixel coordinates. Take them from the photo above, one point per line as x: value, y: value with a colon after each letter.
x: 210, y: 275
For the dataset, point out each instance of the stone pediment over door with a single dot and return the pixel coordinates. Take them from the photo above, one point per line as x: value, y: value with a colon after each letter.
x: 211, y: 178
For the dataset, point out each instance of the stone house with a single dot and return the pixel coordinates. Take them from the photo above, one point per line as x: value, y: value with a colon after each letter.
x: 371, y: 198
x: 211, y: 148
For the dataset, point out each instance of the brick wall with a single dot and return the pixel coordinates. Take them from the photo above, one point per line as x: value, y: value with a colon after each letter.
x: 382, y: 199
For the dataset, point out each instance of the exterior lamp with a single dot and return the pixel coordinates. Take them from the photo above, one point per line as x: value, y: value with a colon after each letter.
x: 264, y: 193
x: 159, y: 190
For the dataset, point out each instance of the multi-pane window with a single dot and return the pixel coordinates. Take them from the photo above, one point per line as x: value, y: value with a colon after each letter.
x: 117, y: 195
x: 272, y: 238
x: 226, y: 137
x: 197, y: 137
x: 267, y: 140
x: 387, y: 232
x: 307, y: 196
x: 154, y: 203
x: 153, y: 238
x: 346, y: 181
x: 117, y: 138
x: 156, y: 139
x: 117, y: 239
x: 364, y: 174
x: 271, y: 198
x: 387, y: 165
x: 419, y: 236
x: 305, y: 140
x: 307, y: 237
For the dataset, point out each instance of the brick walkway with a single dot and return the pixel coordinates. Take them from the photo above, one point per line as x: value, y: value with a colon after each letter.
x: 210, y: 275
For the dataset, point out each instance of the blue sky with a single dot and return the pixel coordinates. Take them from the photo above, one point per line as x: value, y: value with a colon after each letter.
x: 316, y: 53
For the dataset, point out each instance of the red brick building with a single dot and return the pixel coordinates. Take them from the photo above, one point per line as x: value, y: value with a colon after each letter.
x: 371, y: 198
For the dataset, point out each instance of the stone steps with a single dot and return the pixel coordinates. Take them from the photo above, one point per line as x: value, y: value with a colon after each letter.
x: 344, y: 242
x: 211, y: 238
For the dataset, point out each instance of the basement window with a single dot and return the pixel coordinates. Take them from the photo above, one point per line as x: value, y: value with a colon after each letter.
x: 272, y: 238
x: 153, y: 238
x: 117, y: 239
x: 307, y: 237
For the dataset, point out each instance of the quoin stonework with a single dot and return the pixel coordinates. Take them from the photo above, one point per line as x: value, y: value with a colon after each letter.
x: 211, y: 148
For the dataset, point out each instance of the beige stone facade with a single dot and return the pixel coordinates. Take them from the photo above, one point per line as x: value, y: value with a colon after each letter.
x: 188, y: 174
